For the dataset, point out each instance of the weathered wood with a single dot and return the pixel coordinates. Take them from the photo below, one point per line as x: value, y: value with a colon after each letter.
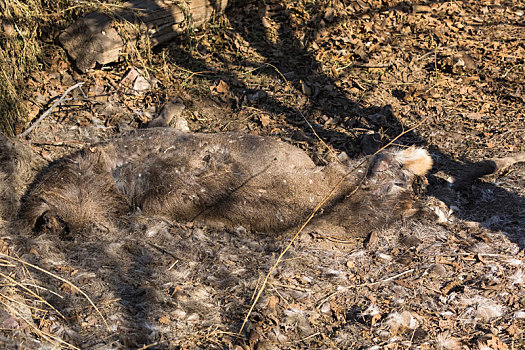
x: 93, y: 38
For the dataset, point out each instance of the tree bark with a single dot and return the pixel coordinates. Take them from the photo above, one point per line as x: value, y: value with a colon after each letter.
x: 93, y: 38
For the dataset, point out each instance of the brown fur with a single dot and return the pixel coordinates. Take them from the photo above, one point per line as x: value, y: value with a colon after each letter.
x: 220, y: 180
x: 486, y: 167
x: 18, y: 165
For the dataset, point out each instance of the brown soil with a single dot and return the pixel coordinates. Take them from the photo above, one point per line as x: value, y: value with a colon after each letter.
x: 327, y: 77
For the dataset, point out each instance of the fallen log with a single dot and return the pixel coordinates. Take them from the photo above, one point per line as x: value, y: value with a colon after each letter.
x: 94, y: 38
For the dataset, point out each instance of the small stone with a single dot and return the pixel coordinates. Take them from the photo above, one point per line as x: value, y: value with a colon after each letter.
x: 325, y: 308
x: 130, y: 76
x: 171, y: 113
x: 181, y: 124
x: 419, y: 335
x: 438, y: 270
x: 141, y: 84
x: 7, y: 321
x: 411, y: 241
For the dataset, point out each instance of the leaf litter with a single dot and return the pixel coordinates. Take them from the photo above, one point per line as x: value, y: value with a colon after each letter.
x: 322, y: 76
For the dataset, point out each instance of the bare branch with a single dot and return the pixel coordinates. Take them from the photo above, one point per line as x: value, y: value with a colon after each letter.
x: 48, y: 112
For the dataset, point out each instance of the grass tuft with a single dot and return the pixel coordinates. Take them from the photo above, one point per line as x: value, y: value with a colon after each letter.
x: 26, y: 28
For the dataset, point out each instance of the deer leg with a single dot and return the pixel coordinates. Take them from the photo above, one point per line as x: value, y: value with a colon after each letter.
x: 486, y: 167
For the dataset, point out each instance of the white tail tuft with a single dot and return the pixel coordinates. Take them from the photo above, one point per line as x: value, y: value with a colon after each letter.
x: 416, y: 160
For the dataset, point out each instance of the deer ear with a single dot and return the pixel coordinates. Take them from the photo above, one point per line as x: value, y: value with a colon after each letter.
x: 416, y: 160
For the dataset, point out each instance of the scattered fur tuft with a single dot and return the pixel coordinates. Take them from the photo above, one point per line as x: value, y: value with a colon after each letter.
x: 446, y: 341
x: 18, y: 165
x: 400, y: 322
x: 416, y: 160
x: 488, y: 310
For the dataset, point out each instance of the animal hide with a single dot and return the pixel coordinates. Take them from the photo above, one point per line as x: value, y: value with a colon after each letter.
x: 222, y: 180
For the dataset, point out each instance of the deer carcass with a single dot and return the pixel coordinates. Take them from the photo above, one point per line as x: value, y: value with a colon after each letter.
x: 220, y: 180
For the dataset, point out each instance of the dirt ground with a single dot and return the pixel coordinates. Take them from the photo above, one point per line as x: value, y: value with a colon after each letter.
x: 328, y: 77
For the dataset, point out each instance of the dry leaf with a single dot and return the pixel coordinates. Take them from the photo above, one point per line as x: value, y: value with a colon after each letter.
x: 273, y: 301
x: 222, y: 87
x: 306, y: 89
x: 265, y: 120
x: 266, y: 22
x: 372, y: 239
x: 164, y: 320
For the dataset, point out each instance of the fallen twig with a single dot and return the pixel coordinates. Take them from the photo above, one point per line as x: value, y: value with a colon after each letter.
x: 318, y: 137
x: 63, y: 280
x: 363, y: 285
x: 365, y: 65
x: 12, y: 280
x: 50, y: 109
x: 314, y: 212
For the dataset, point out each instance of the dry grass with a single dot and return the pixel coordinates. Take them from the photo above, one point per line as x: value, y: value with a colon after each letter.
x: 19, y: 293
x: 385, y: 284
x: 27, y: 33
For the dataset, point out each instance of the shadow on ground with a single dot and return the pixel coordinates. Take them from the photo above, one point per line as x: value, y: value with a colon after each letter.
x: 288, y: 58
x: 130, y: 266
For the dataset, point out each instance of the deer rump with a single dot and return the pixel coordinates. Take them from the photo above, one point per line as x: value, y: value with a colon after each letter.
x: 222, y: 180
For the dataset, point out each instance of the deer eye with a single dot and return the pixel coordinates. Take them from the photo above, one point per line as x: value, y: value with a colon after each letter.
x: 379, y: 163
x: 51, y: 223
